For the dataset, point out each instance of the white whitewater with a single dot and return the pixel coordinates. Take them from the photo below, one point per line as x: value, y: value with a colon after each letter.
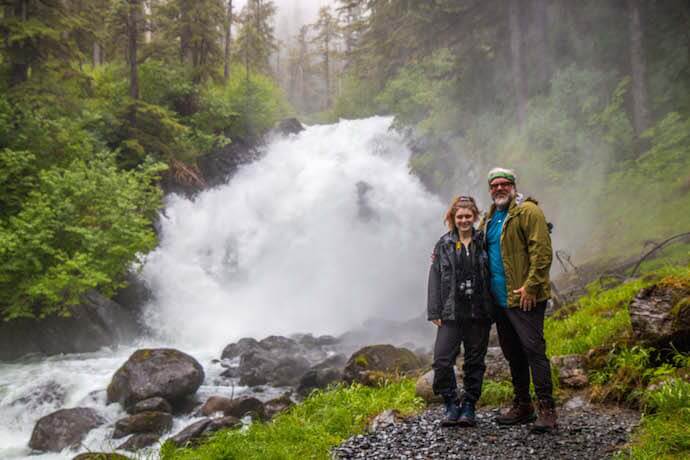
x: 327, y: 229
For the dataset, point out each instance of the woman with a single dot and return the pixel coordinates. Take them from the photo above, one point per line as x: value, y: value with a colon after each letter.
x: 459, y: 305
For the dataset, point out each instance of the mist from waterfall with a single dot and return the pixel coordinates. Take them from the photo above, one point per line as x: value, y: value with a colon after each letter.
x: 327, y: 229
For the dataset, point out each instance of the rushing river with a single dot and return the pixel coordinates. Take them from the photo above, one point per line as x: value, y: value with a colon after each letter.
x: 327, y: 229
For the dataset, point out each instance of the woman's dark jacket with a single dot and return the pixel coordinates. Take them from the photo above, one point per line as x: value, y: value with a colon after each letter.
x: 445, y: 300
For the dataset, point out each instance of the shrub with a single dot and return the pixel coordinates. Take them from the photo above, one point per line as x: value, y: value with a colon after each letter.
x: 78, y: 229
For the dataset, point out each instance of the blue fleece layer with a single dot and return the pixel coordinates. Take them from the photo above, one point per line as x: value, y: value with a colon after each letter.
x: 493, y: 240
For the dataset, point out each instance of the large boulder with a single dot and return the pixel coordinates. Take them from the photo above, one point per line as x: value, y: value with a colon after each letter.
x: 323, y: 374
x: 260, y: 367
x: 192, y: 434
x: 289, y: 126
x: 139, y: 441
x: 660, y: 314
x: 371, y: 364
x: 64, y: 428
x: 163, y: 372
x: 235, y: 350
x: 143, y: 422
x: 239, y: 407
x: 155, y: 404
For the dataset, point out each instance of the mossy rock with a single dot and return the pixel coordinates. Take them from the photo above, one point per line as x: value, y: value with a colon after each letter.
x: 375, y: 364
x: 100, y: 456
x: 660, y: 314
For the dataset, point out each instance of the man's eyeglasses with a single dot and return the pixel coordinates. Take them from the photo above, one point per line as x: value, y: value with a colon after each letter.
x: 496, y: 185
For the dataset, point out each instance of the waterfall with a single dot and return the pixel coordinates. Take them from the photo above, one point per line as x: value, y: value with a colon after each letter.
x: 328, y: 229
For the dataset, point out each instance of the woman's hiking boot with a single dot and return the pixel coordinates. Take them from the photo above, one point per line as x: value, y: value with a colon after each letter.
x: 520, y: 412
x: 546, y: 422
x: 452, y: 411
x: 467, y: 415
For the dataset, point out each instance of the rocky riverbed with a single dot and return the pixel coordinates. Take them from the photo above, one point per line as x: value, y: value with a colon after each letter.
x: 585, y: 432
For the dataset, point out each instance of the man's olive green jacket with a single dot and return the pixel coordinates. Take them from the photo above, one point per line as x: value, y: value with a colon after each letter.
x: 525, y: 249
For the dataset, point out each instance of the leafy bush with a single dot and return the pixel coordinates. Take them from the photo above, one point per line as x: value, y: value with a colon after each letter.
x: 78, y: 229
x: 245, y: 107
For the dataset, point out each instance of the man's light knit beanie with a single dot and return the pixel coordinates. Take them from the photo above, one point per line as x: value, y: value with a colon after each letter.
x: 504, y: 173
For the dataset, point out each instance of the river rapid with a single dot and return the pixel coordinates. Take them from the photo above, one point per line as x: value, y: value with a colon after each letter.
x: 325, y: 231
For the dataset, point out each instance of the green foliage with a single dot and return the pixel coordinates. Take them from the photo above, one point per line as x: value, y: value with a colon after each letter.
x: 77, y: 230
x: 496, y: 393
x: 307, y: 430
x: 357, y: 99
x: 418, y: 94
x: 245, y: 107
x: 665, y: 428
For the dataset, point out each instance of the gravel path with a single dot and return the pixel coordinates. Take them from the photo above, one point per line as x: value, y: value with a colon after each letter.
x: 584, y: 432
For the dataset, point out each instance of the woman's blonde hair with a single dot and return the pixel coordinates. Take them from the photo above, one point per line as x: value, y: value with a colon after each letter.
x: 466, y: 202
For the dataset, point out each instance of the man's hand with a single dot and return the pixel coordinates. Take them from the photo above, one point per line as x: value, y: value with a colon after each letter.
x: 527, y: 301
x: 436, y: 322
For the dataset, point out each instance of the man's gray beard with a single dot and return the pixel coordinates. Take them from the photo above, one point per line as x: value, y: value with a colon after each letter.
x: 503, y: 205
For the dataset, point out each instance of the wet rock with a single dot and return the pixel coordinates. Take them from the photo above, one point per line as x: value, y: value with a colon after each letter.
x: 247, y: 405
x: 278, y: 405
x: 139, y: 441
x: 278, y: 342
x: 96, y: 323
x: 318, y: 378
x: 262, y: 367
x: 238, y: 407
x: 660, y: 315
x: 289, y: 126
x: 190, y: 435
x: 244, y: 345
x: 50, y: 393
x: 143, y: 422
x: 370, y: 364
x: 222, y: 423
x: 100, y: 456
x: 64, y: 428
x: 163, y: 372
x: 156, y: 404
x: 309, y: 341
x: 571, y: 370
x: 216, y: 404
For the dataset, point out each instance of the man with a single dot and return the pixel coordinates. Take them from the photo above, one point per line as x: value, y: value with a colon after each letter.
x: 519, y: 248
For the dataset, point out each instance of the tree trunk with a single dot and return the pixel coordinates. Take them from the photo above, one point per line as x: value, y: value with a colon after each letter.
x: 96, y: 54
x: 132, y: 42
x: 228, y: 41
x: 327, y: 71
x: 638, y: 69
x: 540, y: 43
x: 19, y: 68
x: 519, y: 82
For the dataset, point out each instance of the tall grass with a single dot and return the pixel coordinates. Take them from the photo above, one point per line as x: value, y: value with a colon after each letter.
x: 308, y: 430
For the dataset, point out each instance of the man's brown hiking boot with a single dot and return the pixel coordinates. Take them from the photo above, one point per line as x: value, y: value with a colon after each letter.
x: 546, y: 422
x: 520, y: 412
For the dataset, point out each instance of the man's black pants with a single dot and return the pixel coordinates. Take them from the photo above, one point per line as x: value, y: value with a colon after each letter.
x: 521, y: 336
x: 474, y: 336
